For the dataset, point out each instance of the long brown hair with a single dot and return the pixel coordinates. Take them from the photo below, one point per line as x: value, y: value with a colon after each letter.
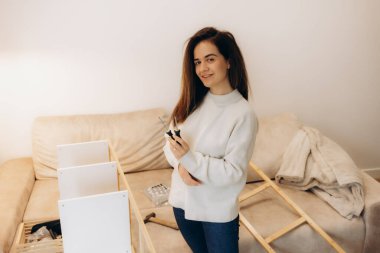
x: 192, y: 89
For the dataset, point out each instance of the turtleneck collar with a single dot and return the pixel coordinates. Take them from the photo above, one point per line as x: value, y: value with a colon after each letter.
x: 223, y: 100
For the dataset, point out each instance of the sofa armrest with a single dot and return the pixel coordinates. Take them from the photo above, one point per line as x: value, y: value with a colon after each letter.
x: 16, y: 184
x: 371, y: 214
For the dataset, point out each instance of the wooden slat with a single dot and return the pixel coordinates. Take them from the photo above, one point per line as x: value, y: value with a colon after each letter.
x: 120, y: 174
x: 42, y: 246
x: 285, y: 230
x: 39, y: 250
x: 296, y: 208
x: 253, y: 231
x: 133, y: 203
x: 253, y: 192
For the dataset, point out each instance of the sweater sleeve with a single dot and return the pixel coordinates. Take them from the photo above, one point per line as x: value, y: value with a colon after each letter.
x: 231, y: 168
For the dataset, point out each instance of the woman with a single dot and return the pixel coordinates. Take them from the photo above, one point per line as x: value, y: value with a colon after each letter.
x: 218, y: 128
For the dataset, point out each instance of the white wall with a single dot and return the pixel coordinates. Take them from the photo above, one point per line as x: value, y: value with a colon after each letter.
x: 319, y: 59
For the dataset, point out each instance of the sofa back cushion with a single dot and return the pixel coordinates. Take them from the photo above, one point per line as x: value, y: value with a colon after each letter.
x: 137, y: 137
x: 273, y: 136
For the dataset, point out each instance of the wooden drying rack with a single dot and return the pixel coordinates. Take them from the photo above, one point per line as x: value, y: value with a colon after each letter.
x: 304, y: 218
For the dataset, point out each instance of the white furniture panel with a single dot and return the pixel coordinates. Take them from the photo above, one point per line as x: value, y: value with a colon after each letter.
x: 97, y: 224
x: 87, y: 180
x: 76, y: 154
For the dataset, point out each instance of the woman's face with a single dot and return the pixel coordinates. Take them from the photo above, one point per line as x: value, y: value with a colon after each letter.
x: 211, y: 67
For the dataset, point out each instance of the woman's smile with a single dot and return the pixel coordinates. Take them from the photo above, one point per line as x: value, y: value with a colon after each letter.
x: 206, y: 76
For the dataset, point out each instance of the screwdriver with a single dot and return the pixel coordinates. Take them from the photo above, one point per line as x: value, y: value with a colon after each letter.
x: 177, y: 131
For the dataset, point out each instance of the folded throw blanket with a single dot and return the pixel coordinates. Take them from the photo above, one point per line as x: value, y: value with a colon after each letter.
x: 313, y: 161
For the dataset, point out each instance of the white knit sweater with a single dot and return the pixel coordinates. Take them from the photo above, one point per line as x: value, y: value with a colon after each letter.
x: 221, y: 135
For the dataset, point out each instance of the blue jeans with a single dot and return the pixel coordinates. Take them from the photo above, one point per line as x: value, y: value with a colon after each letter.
x: 209, y: 237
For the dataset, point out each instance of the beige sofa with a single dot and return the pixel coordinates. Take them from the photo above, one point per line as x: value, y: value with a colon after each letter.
x: 29, y: 190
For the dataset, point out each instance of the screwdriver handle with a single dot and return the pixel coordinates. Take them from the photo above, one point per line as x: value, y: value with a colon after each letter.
x: 178, y: 133
x: 169, y: 132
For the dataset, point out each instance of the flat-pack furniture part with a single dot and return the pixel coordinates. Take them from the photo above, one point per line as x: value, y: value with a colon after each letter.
x: 24, y: 230
x: 80, y: 195
x: 94, y: 211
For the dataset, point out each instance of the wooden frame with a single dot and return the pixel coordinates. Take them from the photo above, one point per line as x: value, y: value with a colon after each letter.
x: 143, y: 232
x: 57, y: 245
x: 304, y: 218
x: 23, y: 230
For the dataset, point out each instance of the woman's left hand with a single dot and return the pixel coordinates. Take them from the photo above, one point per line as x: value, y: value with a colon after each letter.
x: 187, y: 178
x: 178, y: 149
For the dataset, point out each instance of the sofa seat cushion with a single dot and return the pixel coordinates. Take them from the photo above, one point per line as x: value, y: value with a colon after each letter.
x: 371, y: 214
x: 137, y: 137
x: 16, y: 184
x: 268, y: 212
x: 43, y: 203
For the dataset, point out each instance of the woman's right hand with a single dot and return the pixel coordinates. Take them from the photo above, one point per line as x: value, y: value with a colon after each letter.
x: 186, y: 177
